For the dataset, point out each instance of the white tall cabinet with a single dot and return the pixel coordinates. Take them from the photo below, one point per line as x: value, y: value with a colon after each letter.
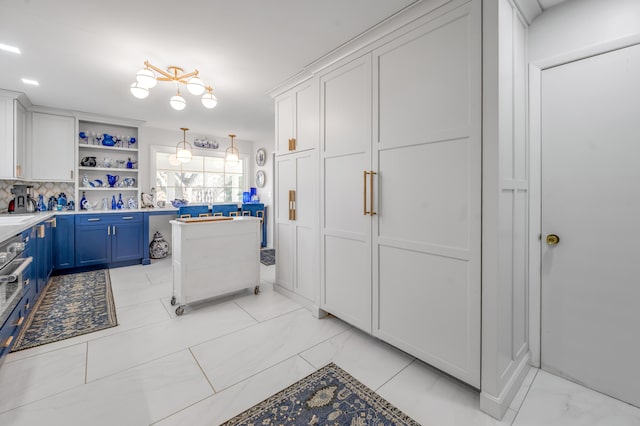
x: 296, y: 192
x: 52, y: 147
x: 13, y: 120
x: 408, y: 156
x: 401, y: 175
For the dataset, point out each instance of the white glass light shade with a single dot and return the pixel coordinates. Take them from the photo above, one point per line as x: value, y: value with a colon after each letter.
x: 139, y: 91
x: 146, y: 78
x: 177, y: 102
x: 232, y: 155
x: 183, y: 155
x: 195, y: 86
x: 209, y: 100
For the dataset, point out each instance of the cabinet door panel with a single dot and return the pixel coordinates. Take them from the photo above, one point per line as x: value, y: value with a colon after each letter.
x: 64, y: 242
x: 427, y: 108
x: 7, y: 168
x: 20, y: 139
x: 284, y: 253
x: 126, y: 241
x: 52, y: 147
x: 345, y: 229
x: 284, y: 122
x: 285, y: 182
x: 93, y: 245
x: 306, y: 116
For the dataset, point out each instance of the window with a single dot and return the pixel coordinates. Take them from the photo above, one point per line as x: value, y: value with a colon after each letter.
x: 206, y: 179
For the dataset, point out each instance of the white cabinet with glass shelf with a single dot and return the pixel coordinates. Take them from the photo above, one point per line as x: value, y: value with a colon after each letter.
x: 121, y: 161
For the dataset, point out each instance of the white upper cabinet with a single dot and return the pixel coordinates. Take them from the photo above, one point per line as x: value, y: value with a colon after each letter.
x: 13, y: 120
x: 297, y: 119
x: 52, y: 147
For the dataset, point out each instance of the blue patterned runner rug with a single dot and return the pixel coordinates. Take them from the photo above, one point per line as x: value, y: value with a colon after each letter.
x: 268, y: 257
x: 329, y: 396
x: 71, y: 305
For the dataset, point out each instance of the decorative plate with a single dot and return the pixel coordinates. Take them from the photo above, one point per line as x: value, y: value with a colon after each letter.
x: 261, y: 157
x: 260, y: 178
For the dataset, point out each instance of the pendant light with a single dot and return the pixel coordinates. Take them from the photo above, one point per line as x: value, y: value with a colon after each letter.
x: 183, y: 149
x: 177, y: 102
x: 232, y: 155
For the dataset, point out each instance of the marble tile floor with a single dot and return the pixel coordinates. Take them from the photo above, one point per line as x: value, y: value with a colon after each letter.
x: 222, y: 357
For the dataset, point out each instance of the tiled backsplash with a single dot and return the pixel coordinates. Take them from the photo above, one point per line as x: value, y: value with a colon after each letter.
x: 47, y: 189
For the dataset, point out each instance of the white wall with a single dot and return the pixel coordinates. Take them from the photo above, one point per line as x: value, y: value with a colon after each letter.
x: 149, y: 136
x: 580, y: 25
x: 505, y: 351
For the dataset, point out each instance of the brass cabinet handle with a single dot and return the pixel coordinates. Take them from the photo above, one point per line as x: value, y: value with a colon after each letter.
x: 292, y: 144
x: 19, y: 322
x: 26, y: 282
x: 292, y: 205
x: 371, y: 212
x: 108, y: 230
x: 114, y: 230
x: 364, y: 195
x: 7, y: 342
x: 53, y: 222
x: 41, y: 231
x: 127, y: 217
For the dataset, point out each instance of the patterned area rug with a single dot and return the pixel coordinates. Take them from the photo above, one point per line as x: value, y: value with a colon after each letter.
x: 268, y: 257
x: 71, y: 305
x: 330, y: 396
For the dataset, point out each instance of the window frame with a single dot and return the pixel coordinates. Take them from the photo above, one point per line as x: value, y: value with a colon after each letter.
x: 155, y: 149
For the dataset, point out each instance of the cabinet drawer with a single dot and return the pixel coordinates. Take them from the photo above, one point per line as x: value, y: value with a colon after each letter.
x: 11, y: 328
x: 110, y: 218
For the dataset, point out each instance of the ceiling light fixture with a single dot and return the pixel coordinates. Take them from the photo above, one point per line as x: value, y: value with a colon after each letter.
x: 183, y: 149
x: 146, y: 79
x: 31, y: 82
x: 232, y: 155
x: 8, y: 48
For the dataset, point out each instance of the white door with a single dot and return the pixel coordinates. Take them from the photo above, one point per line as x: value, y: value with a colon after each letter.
x: 345, y: 96
x: 591, y: 201
x: 306, y: 225
x: 285, y: 182
x: 427, y: 152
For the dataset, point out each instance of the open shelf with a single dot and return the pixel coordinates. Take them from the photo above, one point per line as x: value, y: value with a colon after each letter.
x: 106, y: 148
x: 108, y: 169
x: 108, y: 188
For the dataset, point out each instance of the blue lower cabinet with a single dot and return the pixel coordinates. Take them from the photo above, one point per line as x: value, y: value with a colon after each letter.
x: 64, y: 247
x: 12, y: 326
x: 108, y: 238
x: 258, y: 210
x: 43, y: 254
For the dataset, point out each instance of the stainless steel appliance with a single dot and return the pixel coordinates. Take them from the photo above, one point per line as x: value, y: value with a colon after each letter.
x: 23, y: 201
x: 12, y: 265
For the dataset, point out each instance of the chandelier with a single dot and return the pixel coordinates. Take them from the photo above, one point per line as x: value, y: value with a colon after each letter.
x: 146, y: 79
x: 232, y: 155
x: 183, y: 149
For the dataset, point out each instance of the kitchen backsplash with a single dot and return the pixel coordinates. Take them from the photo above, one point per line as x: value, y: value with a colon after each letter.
x: 47, y: 189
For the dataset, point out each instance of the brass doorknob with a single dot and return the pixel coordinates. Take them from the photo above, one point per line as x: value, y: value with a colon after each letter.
x: 552, y: 239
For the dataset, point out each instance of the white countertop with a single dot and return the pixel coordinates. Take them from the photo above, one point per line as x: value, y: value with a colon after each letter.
x: 9, y: 230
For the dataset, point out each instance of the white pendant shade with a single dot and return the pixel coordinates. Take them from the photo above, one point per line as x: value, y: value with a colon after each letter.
x: 177, y: 102
x: 183, y: 155
x: 139, y: 91
x: 209, y: 100
x: 146, y: 78
x: 195, y: 86
x: 232, y: 158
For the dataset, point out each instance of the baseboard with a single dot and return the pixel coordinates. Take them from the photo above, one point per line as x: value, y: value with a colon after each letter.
x: 306, y: 303
x: 497, y: 406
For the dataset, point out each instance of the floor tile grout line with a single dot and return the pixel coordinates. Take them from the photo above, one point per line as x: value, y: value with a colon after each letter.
x: 247, y: 312
x: 86, y: 362
x: 202, y: 370
x: 395, y: 375
x: 320, y: 343
x: 182, y: 409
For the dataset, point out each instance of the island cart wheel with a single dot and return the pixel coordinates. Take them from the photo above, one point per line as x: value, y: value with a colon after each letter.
x: 173, y: 301
x: 180, y: 310
x: 256, y: 290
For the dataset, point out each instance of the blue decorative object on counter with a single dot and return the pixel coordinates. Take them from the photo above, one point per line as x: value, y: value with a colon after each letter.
x: 246, y: 196
x: 62, y: 201
x: 108, y: 140
x: 42, y: 207
x: 51, y: 205
x: 114, y: 205
x: 120, y: 204
x: 177, y: 203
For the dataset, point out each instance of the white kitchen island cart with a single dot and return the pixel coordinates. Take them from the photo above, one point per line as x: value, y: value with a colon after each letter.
x: 214, y: 256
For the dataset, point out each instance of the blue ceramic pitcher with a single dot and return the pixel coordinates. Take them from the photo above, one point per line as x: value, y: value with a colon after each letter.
x: 112, y: 179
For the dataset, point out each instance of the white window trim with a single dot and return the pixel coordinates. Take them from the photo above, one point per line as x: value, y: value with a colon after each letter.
x: 154, y: 149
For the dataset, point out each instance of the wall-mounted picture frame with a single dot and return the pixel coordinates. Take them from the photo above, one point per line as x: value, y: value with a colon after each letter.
x: 260, y: 178
x: 261, y: 157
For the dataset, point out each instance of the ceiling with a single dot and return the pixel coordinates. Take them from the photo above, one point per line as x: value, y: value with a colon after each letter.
x: 85, y: 53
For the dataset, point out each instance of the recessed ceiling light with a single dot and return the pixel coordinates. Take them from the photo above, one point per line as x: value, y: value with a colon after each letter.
x: 31, y: 82
x: 8, y: 48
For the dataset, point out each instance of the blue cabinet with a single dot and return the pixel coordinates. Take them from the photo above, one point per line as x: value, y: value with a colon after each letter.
x: 108, y: 238
x: 64, y: 242
x: 258, y: 210
x: 44, y: 254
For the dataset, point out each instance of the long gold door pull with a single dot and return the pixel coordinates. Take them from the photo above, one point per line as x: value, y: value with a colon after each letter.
x: 364, y: 195
x: 371, y: 212
x: 292, y: 205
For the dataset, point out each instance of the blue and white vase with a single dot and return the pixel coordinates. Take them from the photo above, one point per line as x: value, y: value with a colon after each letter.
x: 159, y: 247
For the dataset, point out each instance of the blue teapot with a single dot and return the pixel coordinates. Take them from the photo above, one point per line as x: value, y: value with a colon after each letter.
x: 112, y: 179
x: 108, y: 140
